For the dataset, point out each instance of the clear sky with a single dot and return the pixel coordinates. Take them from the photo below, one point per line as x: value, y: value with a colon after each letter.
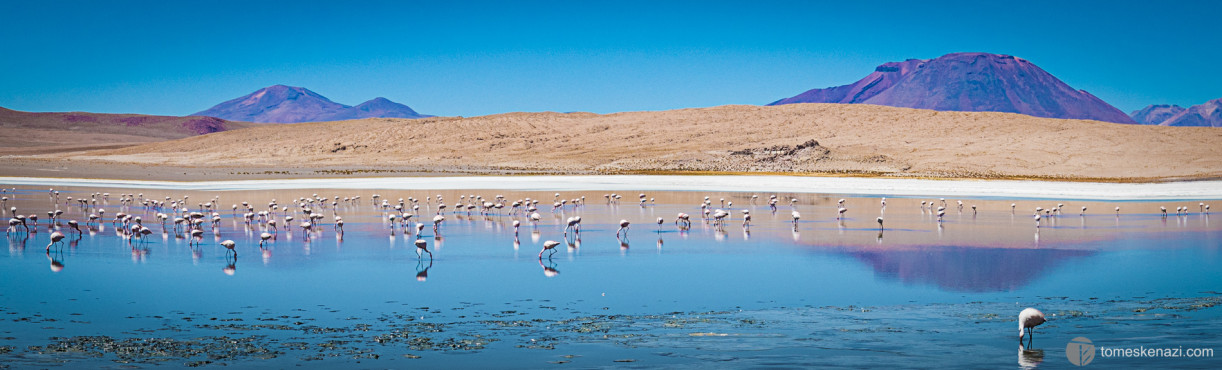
x: 476, y: 58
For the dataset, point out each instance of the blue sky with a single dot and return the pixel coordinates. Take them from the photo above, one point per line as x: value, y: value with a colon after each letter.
x: 476, y: 58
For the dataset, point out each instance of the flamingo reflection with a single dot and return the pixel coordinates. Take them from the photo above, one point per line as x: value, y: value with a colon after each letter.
x: 422, y: 270
x: 56, y: 265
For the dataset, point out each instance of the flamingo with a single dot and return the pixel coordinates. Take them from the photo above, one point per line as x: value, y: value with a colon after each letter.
x: 229, y: 244
x: 516, y: 224
x: 719, y: 217
x: 1037, y: 220
x: 623, y: 226
x: 548, y: 245
x: 74, y: 226
x: 56, y: 238
x: 684, y: 218
x: 796, y: 216
x: 880, y: 223
x: 1028, y: 319
x: 660, y: 221
x: 571, y: 223
x: 423, y: 245
x: 1083, y: 211
x: 841, y: 211
x: 437, y: 220
x: 263, y: 238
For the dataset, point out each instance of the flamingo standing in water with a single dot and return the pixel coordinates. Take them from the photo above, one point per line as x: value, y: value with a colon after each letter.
x: 263, y: 238
x: 1037, y: 220
x: 880, y: 223
x: 423, y: 245
x: 548, y: 245
x: 56, y: 238
x: 516, y: 224
x: 796, y: 216
x: 437, y: 220
x: 683, y: 218
x: 623, y: 226
x: 229, y: 244
x: 1028, y: 319
x: 573, y: 223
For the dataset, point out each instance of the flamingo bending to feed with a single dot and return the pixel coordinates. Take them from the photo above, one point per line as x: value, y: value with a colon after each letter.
x: 422, y: 245
x: 1028, y: 319
x: 623, y: 226
x: 229, y: 244
x: 685, y: 219
x: 56, y: 238
x: 437, y: 220
x: 548, y: 245
x: 263, y: 238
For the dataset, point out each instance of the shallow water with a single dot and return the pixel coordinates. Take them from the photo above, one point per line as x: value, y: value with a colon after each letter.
x: 832, y: 293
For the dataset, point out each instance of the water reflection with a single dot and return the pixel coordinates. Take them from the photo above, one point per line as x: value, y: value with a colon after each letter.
x: 549, y: 268
x: 56, y: 258
x: 1029, y: 358
x: 422, y: 269
x: 967, y: 269
x: 232, y: 267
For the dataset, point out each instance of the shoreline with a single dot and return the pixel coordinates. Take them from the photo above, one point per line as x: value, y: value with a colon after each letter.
x: 853, y: 186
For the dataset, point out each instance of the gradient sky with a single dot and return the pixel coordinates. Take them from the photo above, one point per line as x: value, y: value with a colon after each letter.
x: 476, y: 58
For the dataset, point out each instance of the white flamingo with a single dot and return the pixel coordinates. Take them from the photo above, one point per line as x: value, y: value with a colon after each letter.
x: 1028, y: 319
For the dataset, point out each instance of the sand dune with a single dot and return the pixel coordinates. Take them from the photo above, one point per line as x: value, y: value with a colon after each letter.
x: 798, y: 138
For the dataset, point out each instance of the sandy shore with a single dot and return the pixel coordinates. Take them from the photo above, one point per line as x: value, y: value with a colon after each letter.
x: 1188, y: 190
x: 831, y: 139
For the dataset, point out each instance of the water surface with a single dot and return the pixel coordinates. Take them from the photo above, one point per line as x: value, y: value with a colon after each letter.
x: 832, y: 292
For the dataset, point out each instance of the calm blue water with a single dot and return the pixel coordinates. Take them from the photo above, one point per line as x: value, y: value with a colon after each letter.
x: 832, y: 293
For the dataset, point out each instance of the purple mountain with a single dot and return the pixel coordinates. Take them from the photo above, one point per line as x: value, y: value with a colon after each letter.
x: 1204, y: 115
x: 288, y: 104
x: 968, y: 82
x: 1155, y: 114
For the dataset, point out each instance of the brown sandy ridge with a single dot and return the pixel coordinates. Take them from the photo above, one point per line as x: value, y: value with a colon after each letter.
x: 799, y: 139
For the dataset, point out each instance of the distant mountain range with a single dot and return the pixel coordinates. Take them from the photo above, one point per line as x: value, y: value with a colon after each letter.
x: 977, y: 82
x: 164, y: 127
x: 288, y: 104
x: 1208, y: 114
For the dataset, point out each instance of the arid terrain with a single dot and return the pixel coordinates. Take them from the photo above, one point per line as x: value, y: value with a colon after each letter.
x: 31, y: 133
x: 840, y: 139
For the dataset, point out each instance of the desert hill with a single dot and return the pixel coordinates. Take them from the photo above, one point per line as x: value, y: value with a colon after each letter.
x: 33, y: 132
x: 798, y: 138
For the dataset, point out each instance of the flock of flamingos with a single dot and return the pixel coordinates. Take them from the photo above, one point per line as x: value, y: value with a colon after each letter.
x: 308, y: 214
